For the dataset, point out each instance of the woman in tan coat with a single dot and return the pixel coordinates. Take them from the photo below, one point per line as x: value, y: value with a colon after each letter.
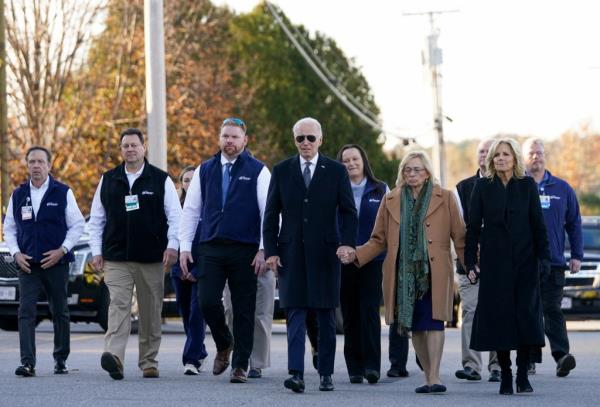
x: 415, y: 224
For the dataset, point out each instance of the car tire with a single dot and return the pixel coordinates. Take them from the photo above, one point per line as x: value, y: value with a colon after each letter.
x: 9, y: 324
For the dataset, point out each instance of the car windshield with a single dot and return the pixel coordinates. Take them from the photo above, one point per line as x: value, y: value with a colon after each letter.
x: 591, y: 238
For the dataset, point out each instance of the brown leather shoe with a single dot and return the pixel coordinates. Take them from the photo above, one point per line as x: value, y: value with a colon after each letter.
x: 150, y: 372
x: 238, y: 375
x: 221, y: 361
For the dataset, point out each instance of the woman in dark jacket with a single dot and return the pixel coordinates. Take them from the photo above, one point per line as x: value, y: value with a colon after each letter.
x: 506, y: 224
x: 186, y: 292
x: 360, y: 291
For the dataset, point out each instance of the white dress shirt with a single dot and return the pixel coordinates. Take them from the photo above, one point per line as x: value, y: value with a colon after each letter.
x: 312, y: 167
x: 193, y: 205
x: 73, y: 217
x: 98, y: 213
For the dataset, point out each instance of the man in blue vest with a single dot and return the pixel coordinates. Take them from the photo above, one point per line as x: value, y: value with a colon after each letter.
x: 561, y: 214
x: 42, y: 224
x: 133, y: 236
x: 228, y: 194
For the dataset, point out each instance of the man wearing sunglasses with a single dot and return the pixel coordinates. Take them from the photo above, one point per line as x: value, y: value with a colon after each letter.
x: 226, y: 201
x: 307, y: 190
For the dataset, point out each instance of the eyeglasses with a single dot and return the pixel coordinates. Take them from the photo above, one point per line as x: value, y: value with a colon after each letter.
x: 310, y: 138
x: 416, y: 170
x: 234, y: 121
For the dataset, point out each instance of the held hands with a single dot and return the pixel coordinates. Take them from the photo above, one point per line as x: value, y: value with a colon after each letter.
x: 473, y: 275
x: 273, y: 263
x: 346, y: 254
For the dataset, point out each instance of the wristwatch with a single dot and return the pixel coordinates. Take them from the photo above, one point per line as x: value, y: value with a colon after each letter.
x: 64, y: 249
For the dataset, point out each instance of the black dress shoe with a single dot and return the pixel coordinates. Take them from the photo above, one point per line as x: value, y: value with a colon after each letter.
x: 395, y: 372
x: 468, y: 373
x: 372, y: 376
x: 356, y: 379
x: 437, y: 388
x: 326, y: 383
x: 494, y: 376
x: 565, y: 365
x: 294, y: 383
x: 423, y: 389
x: 60, y: 368
x: 25, y: 370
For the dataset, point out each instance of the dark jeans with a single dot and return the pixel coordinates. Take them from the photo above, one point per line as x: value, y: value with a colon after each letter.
x: 193, y: 321
x: 54, y: 283
x: 296, y: 336
x: 398, y: 351
x: 360, y: 299
x: 555, y: 327
x: 220, y: 262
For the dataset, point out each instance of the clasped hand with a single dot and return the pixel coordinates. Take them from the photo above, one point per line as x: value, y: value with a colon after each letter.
x: 346, y: 254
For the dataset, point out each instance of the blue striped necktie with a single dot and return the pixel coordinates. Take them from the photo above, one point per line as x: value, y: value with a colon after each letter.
x: 225, y: 183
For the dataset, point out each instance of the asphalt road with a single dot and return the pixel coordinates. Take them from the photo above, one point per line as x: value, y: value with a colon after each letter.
x: 89, y: 386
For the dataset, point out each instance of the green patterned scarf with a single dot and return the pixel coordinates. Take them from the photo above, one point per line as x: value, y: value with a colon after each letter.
x: 412, y: 275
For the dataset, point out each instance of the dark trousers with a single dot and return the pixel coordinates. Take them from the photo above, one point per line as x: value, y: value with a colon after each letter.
x: 220, y: 262
x: 194, y: 326
x: 296, y: 336
x: 54, y: 283
x: 398, y: 349
x: 360, y: 299
x: 555, y: 327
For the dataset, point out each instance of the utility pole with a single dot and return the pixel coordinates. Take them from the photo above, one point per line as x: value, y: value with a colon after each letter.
x: 433, y: 60
x: 156, y: 110
x: 3, y: 117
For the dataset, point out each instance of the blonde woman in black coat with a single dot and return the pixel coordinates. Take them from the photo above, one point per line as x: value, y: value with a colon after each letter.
x: 507, y: 226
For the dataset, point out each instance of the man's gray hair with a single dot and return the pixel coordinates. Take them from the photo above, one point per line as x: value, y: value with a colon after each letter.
x: 532, y: 141
x: 307, y: 120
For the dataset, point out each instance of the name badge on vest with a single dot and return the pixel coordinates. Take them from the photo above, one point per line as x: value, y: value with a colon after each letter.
x: 26, y: 212
x: 545, y: 201
x: 132, y: 203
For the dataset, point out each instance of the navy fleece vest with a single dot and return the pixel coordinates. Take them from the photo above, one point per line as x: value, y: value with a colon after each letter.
x: 48, y: 228
x: 239, y: 220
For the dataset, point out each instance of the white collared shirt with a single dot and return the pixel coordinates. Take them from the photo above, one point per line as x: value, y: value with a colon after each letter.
x: 313, y: 165
x: 193, y: 205
x: 171, y: 206
x: 73, y: 217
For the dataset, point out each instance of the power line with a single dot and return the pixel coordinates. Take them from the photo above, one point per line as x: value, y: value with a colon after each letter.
x: 333, y: 88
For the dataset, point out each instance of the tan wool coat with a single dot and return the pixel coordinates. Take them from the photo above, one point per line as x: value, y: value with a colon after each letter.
x: 443, y: 222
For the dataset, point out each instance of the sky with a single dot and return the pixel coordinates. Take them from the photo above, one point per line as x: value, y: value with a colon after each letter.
x: 522, y: 67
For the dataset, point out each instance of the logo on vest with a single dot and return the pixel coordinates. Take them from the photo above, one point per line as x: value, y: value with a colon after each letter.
x: 52, y: 204
x: 147, y: 193
x: 244, y: 178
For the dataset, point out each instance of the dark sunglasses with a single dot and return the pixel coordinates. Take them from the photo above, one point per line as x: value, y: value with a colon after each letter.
x: 234, y: 121
x: 310, y: 138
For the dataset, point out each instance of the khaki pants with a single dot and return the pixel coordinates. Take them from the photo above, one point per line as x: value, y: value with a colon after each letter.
x: 468, y: 299
x: 263, y: 319
x: 148, y: 278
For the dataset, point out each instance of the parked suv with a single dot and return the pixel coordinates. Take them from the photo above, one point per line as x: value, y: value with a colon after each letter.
x: 88, y: 296
x: 582, y: 290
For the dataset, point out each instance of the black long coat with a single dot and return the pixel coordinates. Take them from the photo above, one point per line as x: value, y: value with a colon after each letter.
x: 508, y: 224
x: 308, y: 238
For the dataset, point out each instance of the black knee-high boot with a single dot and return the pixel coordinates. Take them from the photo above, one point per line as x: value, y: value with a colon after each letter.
x: 522, y: 382
x: 506, y: 386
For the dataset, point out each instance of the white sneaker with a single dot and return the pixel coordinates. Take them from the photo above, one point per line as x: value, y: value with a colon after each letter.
x: 201, y: 365
x: 190, y: 370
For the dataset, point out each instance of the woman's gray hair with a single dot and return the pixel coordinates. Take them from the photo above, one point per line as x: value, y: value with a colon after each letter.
x: 420, y: 154
x: 519, y: 168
